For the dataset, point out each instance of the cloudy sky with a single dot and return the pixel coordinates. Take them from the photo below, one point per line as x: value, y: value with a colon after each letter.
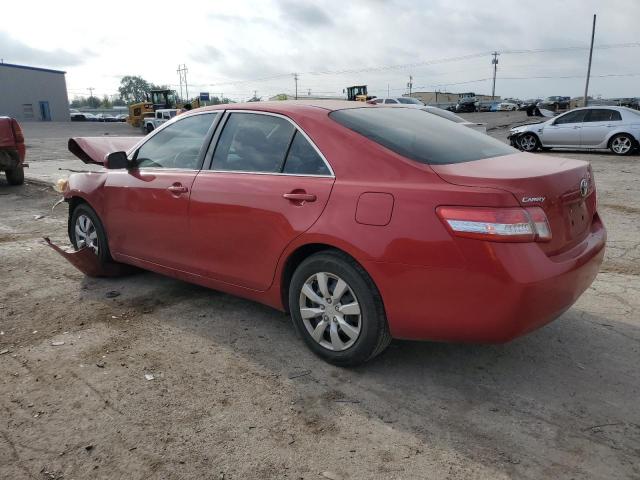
x: 236, y: 47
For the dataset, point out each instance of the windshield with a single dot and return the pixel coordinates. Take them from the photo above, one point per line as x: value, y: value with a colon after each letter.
x: 409, y: 100
x: 424, y: 138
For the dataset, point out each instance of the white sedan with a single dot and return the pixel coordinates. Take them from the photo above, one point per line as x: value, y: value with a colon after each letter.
x: 589, y: 128
x: 505, y: 106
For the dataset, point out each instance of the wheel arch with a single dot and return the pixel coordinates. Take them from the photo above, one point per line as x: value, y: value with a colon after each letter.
x: 298, y: 255
x: 622, y: 132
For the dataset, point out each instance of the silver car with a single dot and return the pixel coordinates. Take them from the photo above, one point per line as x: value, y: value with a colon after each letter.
x: 590, y: 128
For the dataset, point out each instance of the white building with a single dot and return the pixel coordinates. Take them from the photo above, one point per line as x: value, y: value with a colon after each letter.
x: 33, y: 93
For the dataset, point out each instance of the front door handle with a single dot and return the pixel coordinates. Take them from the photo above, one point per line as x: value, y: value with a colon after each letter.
x: 177, y: 189
x: 300, y: 197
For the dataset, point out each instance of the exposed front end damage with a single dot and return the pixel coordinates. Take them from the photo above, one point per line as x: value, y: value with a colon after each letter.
x: 87, y: 262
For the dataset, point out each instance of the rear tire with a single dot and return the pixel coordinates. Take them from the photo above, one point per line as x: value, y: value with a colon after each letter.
x: 15, y: 176
x: 622, y: 144
x: 148, y: 129
x: 86, y: 230
x: 344, y: 320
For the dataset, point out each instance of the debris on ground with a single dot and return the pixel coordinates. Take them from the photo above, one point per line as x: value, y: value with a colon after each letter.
x: 112, y: 294
x: 100, y: 364
x: 57, y: 344
x: 148, y: 376
x: 2, y: 352
x: 299, y: 374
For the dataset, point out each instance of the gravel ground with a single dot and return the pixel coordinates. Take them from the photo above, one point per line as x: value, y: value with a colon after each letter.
x: 231, y: 392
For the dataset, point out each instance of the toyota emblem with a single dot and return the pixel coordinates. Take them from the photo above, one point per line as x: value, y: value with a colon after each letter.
x: 584, y: 187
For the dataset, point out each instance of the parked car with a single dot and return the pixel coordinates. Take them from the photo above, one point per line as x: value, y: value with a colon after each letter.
x: 105, y: 117
x: 149, y: 124
x: 410, y: 101
x: 466, y: 105
x: 479, y: 127
x: 507, y: 106
x: 494, y: 106
x: 12, y: 150
x: 529, y: 103
x: 484, y: 106
x: 555, y: 103
x: 78, y: 117
x: 122, y: 117
x: 365, y: 223
x: 613, y: 128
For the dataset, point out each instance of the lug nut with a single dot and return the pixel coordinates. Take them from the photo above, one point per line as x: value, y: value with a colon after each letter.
x: 329, y: 301
x: 321, y: 307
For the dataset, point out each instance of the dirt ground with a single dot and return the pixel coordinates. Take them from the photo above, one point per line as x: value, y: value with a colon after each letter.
x: 231, y: 393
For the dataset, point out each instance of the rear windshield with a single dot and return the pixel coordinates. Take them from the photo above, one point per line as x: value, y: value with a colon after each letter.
x: 421, y: 136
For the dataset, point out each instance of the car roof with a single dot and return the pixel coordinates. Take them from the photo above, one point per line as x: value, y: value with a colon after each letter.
x: 286, y: 107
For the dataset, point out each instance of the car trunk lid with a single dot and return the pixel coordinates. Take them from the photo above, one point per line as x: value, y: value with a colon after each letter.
x: 562, y: 187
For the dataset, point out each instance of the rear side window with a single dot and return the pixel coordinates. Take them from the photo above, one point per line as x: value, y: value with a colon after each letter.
x: 303, y: 159
x: 603, y: 115
x: 253, y: 143
x: 421, y: 136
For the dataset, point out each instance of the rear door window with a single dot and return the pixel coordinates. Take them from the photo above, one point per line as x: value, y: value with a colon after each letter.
x: 603, y: 115
x: 252, y: 142
x: 421, y: 136
x: 303, y: 159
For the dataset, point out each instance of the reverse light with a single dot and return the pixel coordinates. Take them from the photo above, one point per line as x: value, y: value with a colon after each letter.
x: 497, y: 224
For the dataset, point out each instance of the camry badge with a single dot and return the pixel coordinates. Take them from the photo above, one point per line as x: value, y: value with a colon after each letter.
x: 533, y: 199
x: 584, y: 187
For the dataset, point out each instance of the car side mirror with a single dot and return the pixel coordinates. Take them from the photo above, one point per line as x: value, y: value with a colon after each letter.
x: 117, y: 160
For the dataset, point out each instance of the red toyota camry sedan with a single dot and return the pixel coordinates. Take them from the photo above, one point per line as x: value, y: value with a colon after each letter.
x: 365, y: 223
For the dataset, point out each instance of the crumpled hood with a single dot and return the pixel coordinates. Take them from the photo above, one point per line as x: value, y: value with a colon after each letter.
x: 95, y: 149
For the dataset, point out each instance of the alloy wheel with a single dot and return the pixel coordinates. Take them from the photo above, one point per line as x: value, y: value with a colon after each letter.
x: 330, y: 311
x: 528, y: 143
x: 86, y: 235
x: 621, y: 145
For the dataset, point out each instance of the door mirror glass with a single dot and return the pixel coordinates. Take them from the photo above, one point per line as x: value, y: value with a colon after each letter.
x: 117, y: 160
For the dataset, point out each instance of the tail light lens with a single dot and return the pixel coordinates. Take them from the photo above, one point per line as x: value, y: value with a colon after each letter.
x: 497, y: 224
x: 17, y: 131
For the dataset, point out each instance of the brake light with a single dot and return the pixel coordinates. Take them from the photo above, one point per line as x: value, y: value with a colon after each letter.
x: 17, y: 131
x: 497, y: 224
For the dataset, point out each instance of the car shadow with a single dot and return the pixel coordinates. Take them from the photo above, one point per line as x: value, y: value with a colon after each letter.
x: 528, y: 404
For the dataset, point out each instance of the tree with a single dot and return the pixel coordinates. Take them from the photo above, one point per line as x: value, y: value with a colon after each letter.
x: 118, y: 102
x: 93, y: 102
x: 133, y: 89
x: 106, y: 103
x: 78, y: 102
x: 255, y: 99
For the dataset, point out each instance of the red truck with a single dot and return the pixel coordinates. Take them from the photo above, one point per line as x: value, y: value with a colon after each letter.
x: 12, y: 150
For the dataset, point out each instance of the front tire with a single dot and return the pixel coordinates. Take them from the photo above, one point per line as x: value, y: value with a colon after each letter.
x: 148, y: 129
x: 86, y: 230
x: 622, y: 144
x: 337, y: 309
x: 15, y: 176
x: 528, y: 142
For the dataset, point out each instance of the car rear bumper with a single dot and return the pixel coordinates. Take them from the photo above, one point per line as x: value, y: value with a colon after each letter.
x: 12, y: 158
x: 515, y: 289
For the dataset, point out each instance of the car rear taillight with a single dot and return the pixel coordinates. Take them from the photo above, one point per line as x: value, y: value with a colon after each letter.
x: 497, y: 224
x: 17, y: 131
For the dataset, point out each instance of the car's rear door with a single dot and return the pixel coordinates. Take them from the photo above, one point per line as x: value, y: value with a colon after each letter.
x: 564, y: 131
x: 267, y: 184
x: 147, y: 205
x: 597, y: 125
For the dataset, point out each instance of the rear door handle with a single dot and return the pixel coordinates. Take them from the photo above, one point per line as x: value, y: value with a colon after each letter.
x: 300, y: 197
x: 177, y: 189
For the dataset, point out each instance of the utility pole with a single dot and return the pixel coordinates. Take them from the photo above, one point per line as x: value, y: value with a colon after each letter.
x: 586, y: 87
x: 255, y: 94
x: 410, y: 84
x: 308, y: 92
x: 179, y: 72
x: 295, y: 78
x: 388, y: 95
x: 182, y: 72
x: 495, y: 69
x: 91, y: 89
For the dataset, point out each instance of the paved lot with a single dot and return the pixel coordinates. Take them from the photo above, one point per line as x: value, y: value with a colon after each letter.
x: 236, y: 395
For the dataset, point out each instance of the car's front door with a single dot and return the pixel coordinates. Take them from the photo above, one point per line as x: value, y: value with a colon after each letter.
x: 597, y: 125
x: 564, y: 131
x: 147, y: 205
x: 267, y: 184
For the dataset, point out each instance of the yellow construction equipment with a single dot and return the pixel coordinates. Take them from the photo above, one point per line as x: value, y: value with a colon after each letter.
x: 358, y: 93
x: 156, y: 100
